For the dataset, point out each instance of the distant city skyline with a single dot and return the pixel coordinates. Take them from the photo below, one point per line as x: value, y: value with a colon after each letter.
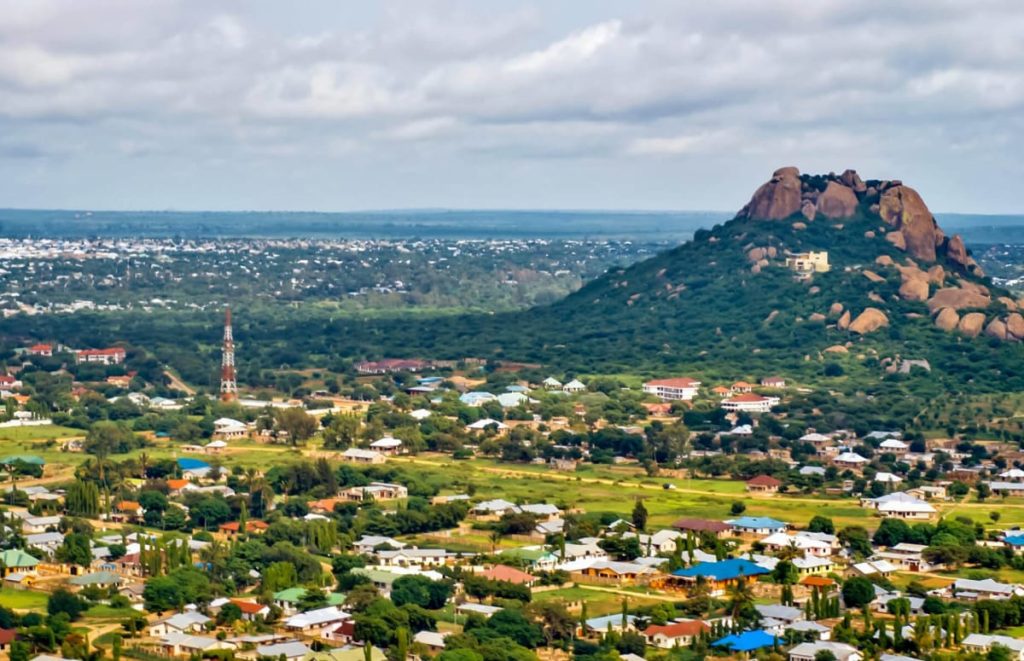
x: 452, y: 104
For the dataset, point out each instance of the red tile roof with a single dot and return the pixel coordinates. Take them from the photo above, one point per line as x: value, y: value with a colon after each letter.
x: 764, y: 481
x: 508, y: 574
x: 681, y: 382
x: 817, y: 581
x: 248, y: 607
x: 747, y: 397
x: 701, y: 525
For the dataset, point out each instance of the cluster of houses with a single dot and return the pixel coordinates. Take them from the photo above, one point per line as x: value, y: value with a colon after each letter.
x: 737, y: 398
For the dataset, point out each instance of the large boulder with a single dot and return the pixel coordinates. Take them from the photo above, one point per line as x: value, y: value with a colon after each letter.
x: 777, y: 199
x: 851, y: 179
x: 837, y: 201
x: 902, y: 208
x: 956, y: 251
x: 937, y: 275
x: 872, y: 276
x: 1015, y: 325
x: 958, y: 299
x: 971, y: 324
x: 844, y: 321
x: 996, y: 328
x: 896, y: 239
x: 947, y: 319
x: 807, y: 209
x: 869, y: 320
x: 914, y: 289
x: 884, y: 260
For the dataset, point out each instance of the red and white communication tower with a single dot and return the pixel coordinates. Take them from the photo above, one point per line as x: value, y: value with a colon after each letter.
x: 228, y: 384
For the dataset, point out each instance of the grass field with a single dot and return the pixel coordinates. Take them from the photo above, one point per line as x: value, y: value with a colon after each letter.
x: 23, y: 599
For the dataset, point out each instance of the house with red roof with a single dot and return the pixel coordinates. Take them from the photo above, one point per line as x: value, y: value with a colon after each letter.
x: 675, y: 634
x: 508, y: 575
x: 6, y: 638
x: 719, y: 528
x: 110, y: 356
x: 749, y: 402
x: 233, y: 528
x: 763, y: 484
x: 742, y: 387
x: 250, y: 609
x: 41, y: 350
x: 678, y: 389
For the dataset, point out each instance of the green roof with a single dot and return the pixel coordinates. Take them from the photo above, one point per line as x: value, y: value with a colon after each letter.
x: 294, y: 595
x: 16, y: 559
x: 23, y: 458
x: 377, y: 575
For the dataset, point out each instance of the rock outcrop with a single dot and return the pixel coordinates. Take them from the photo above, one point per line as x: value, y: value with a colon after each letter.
x: 902, y: 208
x: 1015, y: 325
x: 971, y: 324
x: 777, y: 199
x: 914, y: 289
x: 958, y: 299
x: 844, y: 321
x: 997, y: 329
x: 947, y: 319
x: 869, y: 320
x: 837, y: 201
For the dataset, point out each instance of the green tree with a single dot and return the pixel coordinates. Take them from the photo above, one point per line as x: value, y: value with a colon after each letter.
x: 858, y: 592
x: 639, y: 515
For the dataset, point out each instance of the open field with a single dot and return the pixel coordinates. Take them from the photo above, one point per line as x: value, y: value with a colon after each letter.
x: 23, y: 599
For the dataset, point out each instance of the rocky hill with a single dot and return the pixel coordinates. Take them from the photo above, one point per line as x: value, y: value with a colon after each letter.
x: 898, y: 293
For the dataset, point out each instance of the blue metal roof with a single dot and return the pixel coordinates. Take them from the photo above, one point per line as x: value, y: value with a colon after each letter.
x: 746, y: 641
x: 757, y: 522
x: 191, y: 464
x: 723, y: 570
x: 1016, y: 540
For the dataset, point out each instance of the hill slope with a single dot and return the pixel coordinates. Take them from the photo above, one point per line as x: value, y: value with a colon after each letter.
x: 726, y: 302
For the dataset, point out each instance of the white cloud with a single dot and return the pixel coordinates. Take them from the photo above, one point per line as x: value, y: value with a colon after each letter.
x: 476, y: 83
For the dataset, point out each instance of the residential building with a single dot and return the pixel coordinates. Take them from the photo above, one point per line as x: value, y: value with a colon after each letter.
x: 677, y: 389
x: 750, y: 403
x: 111, y: 356
x: 675, y: 634
x: 840, y: 651
x: 763, y: 484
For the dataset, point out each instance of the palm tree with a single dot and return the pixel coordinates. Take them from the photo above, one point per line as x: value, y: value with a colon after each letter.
x: 143, y: 464
x: 741, y: 597
x: 495, y: 538
x: 790, y: 551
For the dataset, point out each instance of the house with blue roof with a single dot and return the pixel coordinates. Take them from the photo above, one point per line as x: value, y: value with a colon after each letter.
x: 718, y: 576
x: 748, y: 641
x: 476, y: 398
x: 191, y: 468
x: 759, y: 526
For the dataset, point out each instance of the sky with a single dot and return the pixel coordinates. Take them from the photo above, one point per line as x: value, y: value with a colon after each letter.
x: 560, y: 104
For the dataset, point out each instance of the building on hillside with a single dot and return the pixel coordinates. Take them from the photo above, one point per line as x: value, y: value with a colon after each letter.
x: 387, y: 445
x: 179, y: 623
x: 508, y: 575
x: 763, y: 484
x: 719, y: 575
x: 773, y: 382
x: 226, y: 429
x: 720, y: 529
x: 360, y: 456
x: 574, y: 386
x: 839, y: 651
x: 981, y: 643
x: 756, y: 526
x: 749, y: 403
x: 675, y: 634
x: 678, y: 389
x: 806, y: 264
x: 850, y: 460
x: 899, y: 505
x: 111, y: 356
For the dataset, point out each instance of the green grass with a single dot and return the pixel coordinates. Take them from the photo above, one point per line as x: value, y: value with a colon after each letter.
x: 23, y: 599
x: 105, y: 612
x: 39, y: 433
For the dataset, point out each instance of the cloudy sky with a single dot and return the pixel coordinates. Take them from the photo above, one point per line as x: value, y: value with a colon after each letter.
x: 339, y: 105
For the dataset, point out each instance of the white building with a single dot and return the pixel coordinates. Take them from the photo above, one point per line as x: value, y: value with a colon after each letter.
x: 680, y: 389
x: 749, y: 402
